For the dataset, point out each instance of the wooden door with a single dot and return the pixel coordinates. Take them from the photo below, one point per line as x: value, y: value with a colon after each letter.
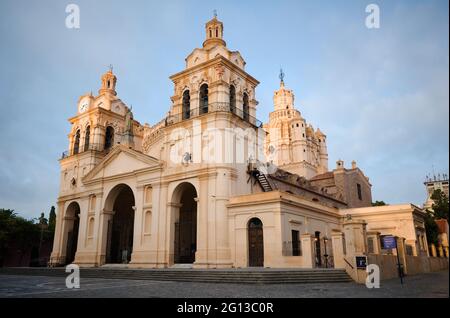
x: 256, y: 243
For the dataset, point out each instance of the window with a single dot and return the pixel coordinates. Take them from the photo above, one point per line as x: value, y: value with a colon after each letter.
x: 232, y: 99
x: 245, y: 106
x: 76, y: 144
x: 87, y: 137
x: 370, y: 245
x: 297, y: 124
x: 296, y: 243
x: 217, y: 32
x: 186, y: 105
x: 204, y: 99
x: 109, y: 137
x: 358, y: 186
x: 210, y: 33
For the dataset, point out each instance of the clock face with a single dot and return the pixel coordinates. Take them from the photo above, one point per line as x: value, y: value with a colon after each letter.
x: 84, y: 105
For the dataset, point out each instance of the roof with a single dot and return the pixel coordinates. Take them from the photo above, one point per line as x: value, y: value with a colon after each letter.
x: 326, y: 175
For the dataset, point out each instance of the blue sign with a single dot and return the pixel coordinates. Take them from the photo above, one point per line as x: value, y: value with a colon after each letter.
x: 388, y: 242
x: 361, y: 262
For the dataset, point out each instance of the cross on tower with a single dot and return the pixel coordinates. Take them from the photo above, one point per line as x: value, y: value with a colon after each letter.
x: 110, y: 67
x: 281, y: 75
x: 215, y: 13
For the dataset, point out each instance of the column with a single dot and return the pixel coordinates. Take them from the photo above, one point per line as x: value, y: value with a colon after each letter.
x: 355, y: 241
x: 308, y: 250
x: 375, y: 237
x: 337, y: 240
x: 221, y: 219
x: 102, y: 239
x: 440, y: 251
x: 401, y: 250
x: 201, y: 255
x: 99, y: 138
x: 433, y: 250
x: 55, y: 258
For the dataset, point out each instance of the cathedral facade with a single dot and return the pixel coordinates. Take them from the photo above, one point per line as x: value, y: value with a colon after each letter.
x: 210, y: 185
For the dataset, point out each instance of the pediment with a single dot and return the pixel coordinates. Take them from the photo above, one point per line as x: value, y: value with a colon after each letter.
x: 121, y: 161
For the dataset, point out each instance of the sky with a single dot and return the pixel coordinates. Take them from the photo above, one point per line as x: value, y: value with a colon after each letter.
x: 380, y: 95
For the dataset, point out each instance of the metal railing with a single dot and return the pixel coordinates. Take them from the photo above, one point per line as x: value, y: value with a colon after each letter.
x: 212, y: 107
x: 84, y: 148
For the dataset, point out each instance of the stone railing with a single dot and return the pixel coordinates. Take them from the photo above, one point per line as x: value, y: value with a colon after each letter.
x: 210, y: 108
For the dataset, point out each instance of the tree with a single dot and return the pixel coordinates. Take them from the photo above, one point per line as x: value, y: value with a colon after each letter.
x: 17, y: 232
x: 432, y: 230
x: 439, y: 210
x: 52, y: 220
x: 440, y: 204
x: 378, y: 203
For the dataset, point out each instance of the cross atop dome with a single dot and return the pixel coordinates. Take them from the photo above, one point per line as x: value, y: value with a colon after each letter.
x: 281, y: 76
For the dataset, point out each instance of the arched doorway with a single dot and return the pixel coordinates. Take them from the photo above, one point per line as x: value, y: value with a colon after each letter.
x: 72, y: 217
x: 119, y: 244
x: 255, y: 243
x: 185, y: 244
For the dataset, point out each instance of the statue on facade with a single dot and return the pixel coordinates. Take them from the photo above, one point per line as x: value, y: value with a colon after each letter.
x: 129, y: 121
x: 128, y: 135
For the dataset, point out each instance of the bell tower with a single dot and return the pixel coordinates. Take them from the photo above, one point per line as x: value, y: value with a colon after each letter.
x: 214, y: 33
x: 294, y: 145
x: 108, y: 83
x: 283, y: 98
x: 102, y: 122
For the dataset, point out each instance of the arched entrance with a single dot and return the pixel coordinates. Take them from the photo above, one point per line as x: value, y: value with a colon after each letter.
x: 72, y: 217
x: 255, y: 243
x: 185, y: 244
x: 119, y: 244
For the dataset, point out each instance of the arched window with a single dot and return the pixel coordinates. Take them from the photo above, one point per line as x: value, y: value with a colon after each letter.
x: 87, y: 137
x: 232, y: 99
x: 204, y: 99
x: 109, y: 137
x: 210, y: 33
x: 76, y: 143
x: 109, y: 84
x: 186, y: 105
x: 245, y: 106
x: 217, y: 32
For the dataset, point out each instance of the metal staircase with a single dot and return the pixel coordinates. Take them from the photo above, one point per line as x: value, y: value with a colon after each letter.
x: 264, y: 182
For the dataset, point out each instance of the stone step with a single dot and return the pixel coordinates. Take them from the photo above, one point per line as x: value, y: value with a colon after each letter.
x: 246, y: 276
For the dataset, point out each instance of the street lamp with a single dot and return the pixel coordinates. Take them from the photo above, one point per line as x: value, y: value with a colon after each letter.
x: 325, y: 240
